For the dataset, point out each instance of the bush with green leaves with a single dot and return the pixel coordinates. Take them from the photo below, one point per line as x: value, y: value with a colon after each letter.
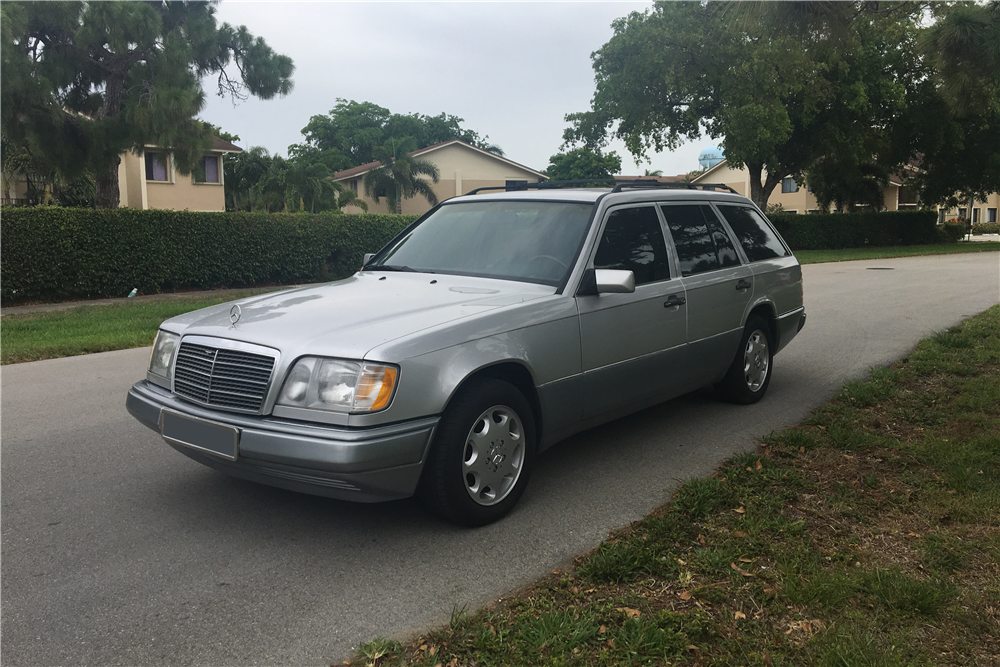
x: 833, y: 231
x: 951, y: 232
x: 51, y: 253
x: 986, y: 228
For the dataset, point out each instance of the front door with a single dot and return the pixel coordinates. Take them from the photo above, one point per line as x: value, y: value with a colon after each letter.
x: 632, y: 344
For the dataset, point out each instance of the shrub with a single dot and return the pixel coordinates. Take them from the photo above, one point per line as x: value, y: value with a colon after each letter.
x: 986, y: 228
x: 51, y: 253
x: 951, y: 232
x: 831, y: 231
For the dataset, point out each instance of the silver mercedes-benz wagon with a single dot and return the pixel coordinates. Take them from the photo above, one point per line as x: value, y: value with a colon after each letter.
x: 491, y: 328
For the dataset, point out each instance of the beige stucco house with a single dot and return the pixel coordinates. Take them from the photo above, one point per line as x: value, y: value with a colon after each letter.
x: 798, y: 199
x: 462, y: 168
x: 149, y: 180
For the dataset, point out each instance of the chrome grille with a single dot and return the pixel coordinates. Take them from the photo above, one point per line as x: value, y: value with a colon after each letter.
x: 230, y: 379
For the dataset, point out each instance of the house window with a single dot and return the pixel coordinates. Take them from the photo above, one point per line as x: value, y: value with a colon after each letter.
x: 210, y: 168
x: 156, y: 167
x: 962, y: 212
x: 991, y: 215
x: 789, y: 185
x: 975, y: 215
x: 814, y: 211
x: 354, y: 186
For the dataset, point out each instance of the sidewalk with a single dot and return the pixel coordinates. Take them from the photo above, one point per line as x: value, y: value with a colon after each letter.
x: 45, y: 307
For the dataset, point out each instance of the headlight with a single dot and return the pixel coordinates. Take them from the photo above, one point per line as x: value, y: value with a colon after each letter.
x: 339, y: 385
x: 162, y: 355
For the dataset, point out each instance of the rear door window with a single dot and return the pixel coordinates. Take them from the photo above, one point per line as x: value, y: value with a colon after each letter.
x: 700, y: 238
x: 759, y: 241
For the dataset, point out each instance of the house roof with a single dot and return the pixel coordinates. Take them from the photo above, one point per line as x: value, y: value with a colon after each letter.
x: 710, y: 170
x: 223, y: 146
x: 218, y: 146
x: 364, y: 168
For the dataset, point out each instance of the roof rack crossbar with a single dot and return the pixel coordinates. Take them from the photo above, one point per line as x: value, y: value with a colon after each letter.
x: 619, y: 185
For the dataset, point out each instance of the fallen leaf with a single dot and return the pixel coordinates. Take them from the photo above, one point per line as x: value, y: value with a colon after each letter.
x: 684, y: 595
x: 611, y: 643
x: 739, y: 533
x: 493, y: 631
x: 590, y: 590
x: 681, y: 562
x: 701, y: 539
x: 767, y: 660
x: 740, y: 510
x: 746, y: 560
x: 749, y: 469
x: 631, y: 613
x: 692, y: 647
x: 739, y: 615
x: 423, y: 647
x: 602, y: 630
x: 802, y: 450
x: 432, y: 651
x: 741, y: 571
x: 758, y: 466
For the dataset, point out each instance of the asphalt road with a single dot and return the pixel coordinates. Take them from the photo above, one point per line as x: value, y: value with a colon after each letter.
x: 117, y: 550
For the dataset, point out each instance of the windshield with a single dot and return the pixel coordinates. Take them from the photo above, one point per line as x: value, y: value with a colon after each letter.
x: 531, y: 241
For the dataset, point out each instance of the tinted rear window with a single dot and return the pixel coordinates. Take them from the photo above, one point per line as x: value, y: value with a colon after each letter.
x: 756, y: 236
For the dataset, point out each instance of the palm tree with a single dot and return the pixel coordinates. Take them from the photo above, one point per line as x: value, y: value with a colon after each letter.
x: 399, y: 177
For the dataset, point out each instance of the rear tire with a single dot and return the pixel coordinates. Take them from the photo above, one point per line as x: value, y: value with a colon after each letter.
x: 479, y: 463
x: 750, y: 374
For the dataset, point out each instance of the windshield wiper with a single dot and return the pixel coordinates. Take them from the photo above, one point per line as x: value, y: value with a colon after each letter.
x: 397, y: 267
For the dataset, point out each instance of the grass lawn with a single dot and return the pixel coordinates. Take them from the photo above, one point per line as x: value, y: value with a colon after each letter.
x: 847, y: 254
x: 867, y: 536
x: 86, y: 329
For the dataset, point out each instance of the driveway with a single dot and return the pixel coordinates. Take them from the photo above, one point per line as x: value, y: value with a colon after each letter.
x: 117, y: 550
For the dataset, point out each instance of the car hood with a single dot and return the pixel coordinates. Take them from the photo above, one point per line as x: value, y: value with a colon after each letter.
x: 350, y: 317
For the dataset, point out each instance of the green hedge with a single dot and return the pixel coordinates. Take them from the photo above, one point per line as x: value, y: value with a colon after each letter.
x: 831, y: 231
x: 986, y: 228
x: 51, y: 253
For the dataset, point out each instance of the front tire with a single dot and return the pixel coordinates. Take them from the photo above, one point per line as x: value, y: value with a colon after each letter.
x: 750, y: 374
x: 479, y: 463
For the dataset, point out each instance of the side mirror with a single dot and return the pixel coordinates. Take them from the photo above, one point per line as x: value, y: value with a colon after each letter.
x: 614, y: 281
x: 606, y: 281
x: 368, y: 258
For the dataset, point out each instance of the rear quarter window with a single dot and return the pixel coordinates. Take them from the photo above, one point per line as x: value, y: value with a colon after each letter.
x: 759, y: 241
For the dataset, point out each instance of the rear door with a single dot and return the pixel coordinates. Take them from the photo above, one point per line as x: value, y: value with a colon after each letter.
x: 632, y: 344
x: 719, y: 286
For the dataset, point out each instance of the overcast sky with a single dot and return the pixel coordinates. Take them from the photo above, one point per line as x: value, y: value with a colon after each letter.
x: 512, y: 70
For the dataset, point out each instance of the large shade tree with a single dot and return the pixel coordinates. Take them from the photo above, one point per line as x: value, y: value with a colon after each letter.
x: 355, y: 133
x: 83, y: 82
x: 779, y: 97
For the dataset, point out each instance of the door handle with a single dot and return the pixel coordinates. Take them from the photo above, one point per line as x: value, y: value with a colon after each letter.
x: 674, y: 301
x: 743, y: 283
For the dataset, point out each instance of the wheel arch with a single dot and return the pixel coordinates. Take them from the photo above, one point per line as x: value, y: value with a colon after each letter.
x: 766, y: 312
x: 515, y: 374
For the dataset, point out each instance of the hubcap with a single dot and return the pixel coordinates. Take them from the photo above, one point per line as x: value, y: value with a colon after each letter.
x: 755, y: 360
x: 493, y: 456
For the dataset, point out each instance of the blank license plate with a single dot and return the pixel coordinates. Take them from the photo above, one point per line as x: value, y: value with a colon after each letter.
x: 200, y: 434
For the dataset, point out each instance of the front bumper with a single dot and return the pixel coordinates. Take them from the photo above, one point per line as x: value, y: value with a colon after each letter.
x: 364, y: 465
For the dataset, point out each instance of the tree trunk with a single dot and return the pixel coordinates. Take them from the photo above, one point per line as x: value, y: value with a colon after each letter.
x: 760, y: 191
x: 108, y: 195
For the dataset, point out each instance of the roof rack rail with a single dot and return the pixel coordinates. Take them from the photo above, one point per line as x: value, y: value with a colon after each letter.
x: 677, y: 185
x: 617, y: 185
